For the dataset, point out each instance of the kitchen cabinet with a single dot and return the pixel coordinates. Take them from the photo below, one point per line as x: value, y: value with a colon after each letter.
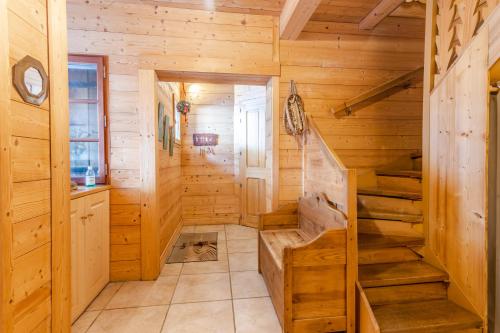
x: 90, y: 249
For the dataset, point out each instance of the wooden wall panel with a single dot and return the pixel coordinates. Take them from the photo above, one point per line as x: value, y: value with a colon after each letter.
x: 332, y: 62
x: 457, y: 22
x: 169, y: 176
x: 458, y: 160
x: 210, y: 188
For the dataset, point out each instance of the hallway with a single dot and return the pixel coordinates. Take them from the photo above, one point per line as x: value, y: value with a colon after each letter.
x: 223, y: 296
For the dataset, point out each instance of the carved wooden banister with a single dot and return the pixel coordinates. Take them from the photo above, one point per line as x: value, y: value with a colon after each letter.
x: 383, y: 90
x: 324, y: 172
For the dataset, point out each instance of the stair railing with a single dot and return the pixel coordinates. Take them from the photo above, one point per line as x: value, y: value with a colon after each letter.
x: 386, y: 89
x: 324, y: 172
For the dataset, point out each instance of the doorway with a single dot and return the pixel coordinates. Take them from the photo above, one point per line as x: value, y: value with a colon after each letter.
x: 235, y: 180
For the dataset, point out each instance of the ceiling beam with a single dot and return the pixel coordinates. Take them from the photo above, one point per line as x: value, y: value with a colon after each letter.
x: 382, y: 10
x: 294, y: 16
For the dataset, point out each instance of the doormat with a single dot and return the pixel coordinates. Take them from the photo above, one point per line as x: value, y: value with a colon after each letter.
x: 194, y: 247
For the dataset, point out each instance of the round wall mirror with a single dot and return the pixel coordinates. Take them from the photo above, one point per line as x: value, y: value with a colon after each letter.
x: 30, y: 80
x: 33, y: 81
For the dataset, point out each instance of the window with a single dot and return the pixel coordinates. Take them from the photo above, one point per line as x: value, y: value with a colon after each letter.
x: 87, y: 117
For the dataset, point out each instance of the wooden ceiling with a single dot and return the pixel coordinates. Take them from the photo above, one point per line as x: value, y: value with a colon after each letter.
x: 345, y: 11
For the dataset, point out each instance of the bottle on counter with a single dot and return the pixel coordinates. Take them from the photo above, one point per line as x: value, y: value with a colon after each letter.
x: 90, y: 177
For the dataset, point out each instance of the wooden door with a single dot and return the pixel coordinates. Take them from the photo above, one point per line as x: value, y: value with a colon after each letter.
x: 77, y: 212
x: 95, y: 237
x: 250, y: 102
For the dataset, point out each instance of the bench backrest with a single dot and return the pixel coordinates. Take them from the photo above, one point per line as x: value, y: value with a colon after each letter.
x: 317, y: 214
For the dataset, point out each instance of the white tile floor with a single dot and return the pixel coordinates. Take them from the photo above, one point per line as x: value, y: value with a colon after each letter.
x: 224, y: 296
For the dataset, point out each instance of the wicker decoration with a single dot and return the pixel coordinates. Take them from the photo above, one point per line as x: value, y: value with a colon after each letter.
x: 295, y: 120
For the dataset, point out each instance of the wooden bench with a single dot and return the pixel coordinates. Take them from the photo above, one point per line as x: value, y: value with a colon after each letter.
x: 303, y: 259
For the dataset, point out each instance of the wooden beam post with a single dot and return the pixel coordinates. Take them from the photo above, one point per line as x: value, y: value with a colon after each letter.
x: 6, y: 322
x: 381, y: 11
x: 60, y: 166
x: 150, y: 233
x: 294, y: 17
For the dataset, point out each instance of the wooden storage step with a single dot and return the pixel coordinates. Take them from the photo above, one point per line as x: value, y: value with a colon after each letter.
x: 372, y: 241
x: 277, y: 240
x: 382, y: 192
x: 400, y: 173
x: 369, y: 256
x: 429, y: 316
x: 408, y: 184
x: 401, y: 273
x: 393, y: 216
x: 390, y: 228
x: 389, y: 204
x: 406, y: 293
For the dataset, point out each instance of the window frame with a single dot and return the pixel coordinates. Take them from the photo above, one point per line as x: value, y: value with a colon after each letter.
x: 102, y: 109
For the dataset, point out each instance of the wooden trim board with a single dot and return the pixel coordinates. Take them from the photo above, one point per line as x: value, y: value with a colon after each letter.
x: 5, y: 176
x: 60, y: 166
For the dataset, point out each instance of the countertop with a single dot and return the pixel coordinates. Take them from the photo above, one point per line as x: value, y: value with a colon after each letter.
x: 83, y: 191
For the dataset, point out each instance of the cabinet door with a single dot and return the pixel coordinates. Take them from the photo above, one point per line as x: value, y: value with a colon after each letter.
x: 77, y: 214
x: 95, y: 245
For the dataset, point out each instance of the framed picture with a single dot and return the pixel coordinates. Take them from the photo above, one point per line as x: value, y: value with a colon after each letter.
x: 161, y: 122
x: 166, y: 133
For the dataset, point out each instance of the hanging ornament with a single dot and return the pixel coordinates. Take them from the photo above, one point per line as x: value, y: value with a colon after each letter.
x: 184, y: 107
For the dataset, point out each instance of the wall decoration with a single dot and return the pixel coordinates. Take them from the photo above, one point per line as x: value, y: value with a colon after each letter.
x: 166, y: 133
x: 184, y: 107
x: 206, y: 141
x: 161, y: 121
x: 30, y: 80
x: 172, y: 141
x: 177, y: 120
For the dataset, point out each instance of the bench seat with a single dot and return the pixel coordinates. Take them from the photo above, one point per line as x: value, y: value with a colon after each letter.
x: 303, y: 259
x: 276, y: 241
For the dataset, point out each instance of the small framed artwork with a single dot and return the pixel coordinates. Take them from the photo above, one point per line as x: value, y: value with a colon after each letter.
x: 161, y: 122
x: 166, y: 133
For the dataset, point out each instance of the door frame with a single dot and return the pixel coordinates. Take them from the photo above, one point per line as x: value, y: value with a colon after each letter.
x: 150, y: 255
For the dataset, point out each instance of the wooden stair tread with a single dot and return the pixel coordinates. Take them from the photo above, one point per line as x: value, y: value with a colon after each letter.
x: 391, y: 216
x: 428, y: 316
x: 383, y: 241
x: 400, y: 173
x: 376, y: 191
x: 399, y: 273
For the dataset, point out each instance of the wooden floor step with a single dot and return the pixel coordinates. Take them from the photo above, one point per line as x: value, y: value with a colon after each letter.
x: 371, y: 241
x: 390, y: 228
x: 400, y: 173
x: 381, y: 192
x: 389, y: 204
x: 386, y: 255
x: 408, y: 293
x: 393, y: 216
x: 429, y: 316
x: 400, y: 273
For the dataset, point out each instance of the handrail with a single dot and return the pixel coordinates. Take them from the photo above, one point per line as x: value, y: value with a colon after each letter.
x: 390, y: 87
x: 324, y: 146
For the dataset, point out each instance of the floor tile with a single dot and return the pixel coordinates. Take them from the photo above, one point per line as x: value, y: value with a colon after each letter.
x: 203, y: 267
x: 144, y: 293
x: 255, y: 315
x: 83, y: 323
x: 242, y: 245
x: 209, y: 228
x: 105, y: 296
x: 132, y: 320
x: 248, y: 284
x: 202, y: 287
x: 243, y: 261
x: 240, y: 232
x: 206, y: 317
x: 171, y: 269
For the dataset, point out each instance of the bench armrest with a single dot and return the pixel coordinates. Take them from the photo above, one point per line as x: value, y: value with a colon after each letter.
x: 285, y: 217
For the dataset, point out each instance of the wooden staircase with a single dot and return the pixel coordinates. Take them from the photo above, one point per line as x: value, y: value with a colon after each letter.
x: 405, y: 293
